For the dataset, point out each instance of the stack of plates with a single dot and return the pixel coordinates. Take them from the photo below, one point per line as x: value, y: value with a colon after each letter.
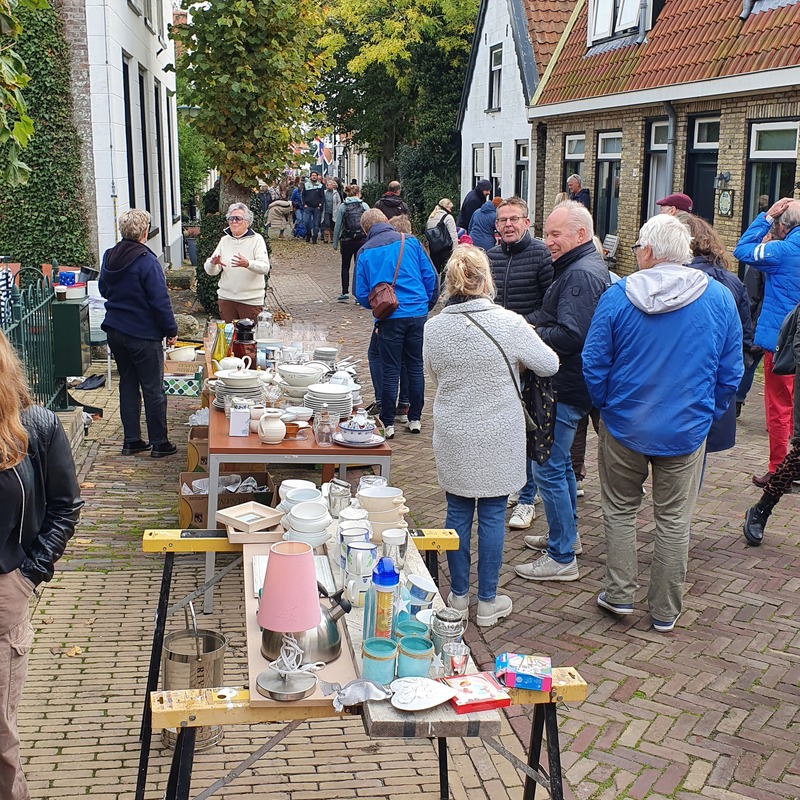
x: 255, y: 393
x: 327, y: 355
x: 338, y: 398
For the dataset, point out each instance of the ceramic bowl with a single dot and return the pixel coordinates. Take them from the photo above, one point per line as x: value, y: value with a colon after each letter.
x: 301, y: 413
x: 299, y: 374
x: 379, y: 527
x: 238, y: 378
x: 296, y: 496
x: 355, y: 434
x: 395, y: 514
x: 310, y: 512
x: 380, y: 498
x: 307, y: 527
x: 183, y: 354
x: 313, y: 539
x: 287, y: 485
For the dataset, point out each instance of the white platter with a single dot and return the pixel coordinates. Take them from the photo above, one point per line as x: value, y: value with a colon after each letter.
x: 419, y: 694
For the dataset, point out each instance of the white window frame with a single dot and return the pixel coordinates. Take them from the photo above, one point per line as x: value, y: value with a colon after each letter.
x: 478, y: 173
x: 495, y: 160
x: 604, y: 137
x: 601, y: 11
x: 630, y: 7
x: 654, y: 145
x: 574, y: 137
x: 522, y: 150
x: 773, y: 126
x: 610, y: 18
x: 495, y: 77
x: 704, y: 145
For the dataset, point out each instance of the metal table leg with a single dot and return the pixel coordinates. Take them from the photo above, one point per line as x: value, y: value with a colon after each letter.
x: 432, y: 564
x: 146, y: 731
x: 444, y: 780
x: 180, y: 771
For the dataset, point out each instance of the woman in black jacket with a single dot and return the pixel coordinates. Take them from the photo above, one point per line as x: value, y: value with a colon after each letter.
x: 41, y: 504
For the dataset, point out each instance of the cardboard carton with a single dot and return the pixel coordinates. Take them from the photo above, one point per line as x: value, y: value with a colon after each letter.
x: 193, y: 508
x: 525, y: 672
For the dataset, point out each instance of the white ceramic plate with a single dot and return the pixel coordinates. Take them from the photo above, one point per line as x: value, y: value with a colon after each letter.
x: 373, y: 442
x: 328, y: 389
x: 418, y: 694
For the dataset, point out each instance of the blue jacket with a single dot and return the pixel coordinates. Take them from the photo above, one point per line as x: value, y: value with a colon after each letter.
x: 779, y: 260
x: 376, y: 261
x: 481, y: 226
x: 663, y: 358
x: 137, y: 301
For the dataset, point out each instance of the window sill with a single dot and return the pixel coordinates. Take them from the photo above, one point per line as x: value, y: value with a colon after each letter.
x: 492, y: 110
x: 176, y: 219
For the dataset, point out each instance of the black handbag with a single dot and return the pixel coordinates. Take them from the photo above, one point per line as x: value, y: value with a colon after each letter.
x: 783, y: 362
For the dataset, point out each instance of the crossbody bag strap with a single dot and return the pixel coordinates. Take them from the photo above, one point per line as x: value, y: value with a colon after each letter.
x: 502, y: 352
x: 399, y: 258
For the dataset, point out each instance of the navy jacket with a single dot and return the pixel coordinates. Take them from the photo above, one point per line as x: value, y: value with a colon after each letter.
x: 137, y: 301
x: 472, y: 202
x: 482, y: 227
x: 582, y: 197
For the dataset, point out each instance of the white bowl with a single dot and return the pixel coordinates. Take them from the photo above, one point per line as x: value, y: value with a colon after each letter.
x: 307, y: 527
x: 183, y: 354
x: 396, y: 514
x: 356, y: 434
x: 301, y: 412
x: 238, y: 378
x: 309, y: 512
x: 294, y: 483
x: 296, y: 496
x: 300, y: 374
x: 380, y: 498
x: 379, y: 527
x: 314, y: 539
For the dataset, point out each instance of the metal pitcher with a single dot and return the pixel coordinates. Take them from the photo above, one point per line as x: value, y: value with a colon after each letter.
x: 447, y: 625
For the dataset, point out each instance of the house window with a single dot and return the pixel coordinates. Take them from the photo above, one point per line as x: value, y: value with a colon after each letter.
x: 610, y: 18
x: 521, y: 170
x: 126, y: 95
x: 655, y: 168
x: 148, y: 14
x: 495, y: 73
x: 771, y: 165
x: 496, y: 168
x: 706, y: 133
x: 606, y: 212
x: 574, y: 151
x: 477, y: 163
x: 145, y: 148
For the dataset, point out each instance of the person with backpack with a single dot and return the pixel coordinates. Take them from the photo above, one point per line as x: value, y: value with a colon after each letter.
x: 440, y: 233
x: 348, y: 236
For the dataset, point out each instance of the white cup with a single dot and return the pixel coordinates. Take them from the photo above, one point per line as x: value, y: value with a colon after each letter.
x: 356, y: 588
x: 361, y: 557
x: 348, y: 537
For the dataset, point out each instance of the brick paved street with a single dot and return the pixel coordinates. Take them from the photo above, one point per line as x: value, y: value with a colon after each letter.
x: 709, y: 711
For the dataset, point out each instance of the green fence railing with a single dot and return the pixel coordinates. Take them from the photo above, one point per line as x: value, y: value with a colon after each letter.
x: 28, y: 323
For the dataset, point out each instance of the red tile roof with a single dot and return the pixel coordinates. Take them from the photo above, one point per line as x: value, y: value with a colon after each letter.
x: 692, y: 40
x: 546, y: 22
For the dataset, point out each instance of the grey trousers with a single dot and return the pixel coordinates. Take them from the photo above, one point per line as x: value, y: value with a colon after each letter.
x: 676, y: 481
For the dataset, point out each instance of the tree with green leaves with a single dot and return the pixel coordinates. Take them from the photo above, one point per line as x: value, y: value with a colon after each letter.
x: 250, y: 67
x: 16, y: 125
x: 194, y: 163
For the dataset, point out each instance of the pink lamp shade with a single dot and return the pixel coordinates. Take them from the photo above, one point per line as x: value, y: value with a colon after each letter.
x: 290, y: 597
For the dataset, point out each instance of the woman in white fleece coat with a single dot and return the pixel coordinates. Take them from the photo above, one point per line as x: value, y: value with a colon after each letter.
x: 241, y: 261
x: 478, y: 424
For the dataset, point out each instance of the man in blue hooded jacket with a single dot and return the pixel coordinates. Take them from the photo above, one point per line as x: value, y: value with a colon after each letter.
x: 662, y: 359
x: 399, y: 335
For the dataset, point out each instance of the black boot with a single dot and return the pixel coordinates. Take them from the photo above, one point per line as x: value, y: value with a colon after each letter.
x: 739, y: 409
x: 755, y: 520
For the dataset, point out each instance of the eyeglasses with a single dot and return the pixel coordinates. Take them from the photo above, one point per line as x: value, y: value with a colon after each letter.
x: 235, y: 219
x: 512, y: 220
x: 635, y: 247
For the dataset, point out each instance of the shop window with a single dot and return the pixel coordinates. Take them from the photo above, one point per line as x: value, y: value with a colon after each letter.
x: 521, y: 167
x: 496, y: 168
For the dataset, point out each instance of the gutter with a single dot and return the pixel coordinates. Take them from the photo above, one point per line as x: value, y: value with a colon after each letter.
x: 671, y: 141
x: 643, y: 22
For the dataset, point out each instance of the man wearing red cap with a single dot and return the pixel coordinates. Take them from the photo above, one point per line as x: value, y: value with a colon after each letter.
x: 674, y: 203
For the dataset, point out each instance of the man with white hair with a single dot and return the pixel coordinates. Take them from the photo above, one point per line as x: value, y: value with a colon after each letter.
x: 580, y: 276
x: 662, y: 359
x: 577, y: 192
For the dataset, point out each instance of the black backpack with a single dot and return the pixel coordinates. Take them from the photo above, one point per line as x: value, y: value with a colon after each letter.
x: 351, y: 221
x: 439, y: 240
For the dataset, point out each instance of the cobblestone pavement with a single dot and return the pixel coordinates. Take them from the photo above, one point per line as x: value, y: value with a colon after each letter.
x: 709, y: 711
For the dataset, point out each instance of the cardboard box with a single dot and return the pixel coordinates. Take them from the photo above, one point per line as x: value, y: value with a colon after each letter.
x: 184, y: 367
x: 193, y: 508
x: 525, y: 672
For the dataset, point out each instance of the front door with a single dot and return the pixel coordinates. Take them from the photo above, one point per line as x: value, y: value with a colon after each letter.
x: 700, y: 184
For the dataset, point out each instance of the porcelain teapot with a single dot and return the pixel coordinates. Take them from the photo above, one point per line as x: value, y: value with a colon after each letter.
x: 232, y: 363
x: 271, y: 429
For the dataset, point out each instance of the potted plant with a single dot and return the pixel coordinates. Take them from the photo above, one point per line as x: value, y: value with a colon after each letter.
x: 191, y: 233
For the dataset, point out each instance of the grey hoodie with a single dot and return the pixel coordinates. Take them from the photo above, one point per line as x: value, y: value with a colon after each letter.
x: 665, y: 287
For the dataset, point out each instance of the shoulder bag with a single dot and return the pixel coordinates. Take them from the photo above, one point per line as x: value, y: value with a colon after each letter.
x: 382, y: 299
x: 784, y: 361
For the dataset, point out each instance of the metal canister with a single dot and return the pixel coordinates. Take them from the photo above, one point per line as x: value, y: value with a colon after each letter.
x: 447, y: 625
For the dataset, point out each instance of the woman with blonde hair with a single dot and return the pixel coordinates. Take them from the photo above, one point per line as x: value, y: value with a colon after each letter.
x: 41, y: 504
x: 440, y: 233
x: 479, y: 436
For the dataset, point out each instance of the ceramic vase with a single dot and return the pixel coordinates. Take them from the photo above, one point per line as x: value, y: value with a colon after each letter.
x: 270, y: 428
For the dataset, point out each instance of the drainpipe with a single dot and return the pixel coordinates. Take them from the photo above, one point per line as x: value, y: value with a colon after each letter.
x: 747, y: 7
x: 671, y: 140
x: 642, y: 22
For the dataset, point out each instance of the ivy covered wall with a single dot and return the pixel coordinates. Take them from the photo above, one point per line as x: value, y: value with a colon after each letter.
x: 47, y: 218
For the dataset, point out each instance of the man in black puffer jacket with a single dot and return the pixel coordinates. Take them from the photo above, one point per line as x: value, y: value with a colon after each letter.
x: 522, y: 270
x: 580, y: 277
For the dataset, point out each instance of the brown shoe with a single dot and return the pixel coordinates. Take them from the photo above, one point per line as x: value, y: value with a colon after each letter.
x: 762, y: 480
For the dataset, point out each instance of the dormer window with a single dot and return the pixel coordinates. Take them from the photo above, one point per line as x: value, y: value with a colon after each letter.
x: 609, y: 19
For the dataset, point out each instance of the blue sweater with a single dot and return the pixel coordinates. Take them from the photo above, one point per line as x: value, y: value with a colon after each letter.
x: 376, y: 261
x: 133, y: 284
x: 481, y: 226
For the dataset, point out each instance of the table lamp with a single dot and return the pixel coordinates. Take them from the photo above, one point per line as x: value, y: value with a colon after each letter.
x: 289, y: 603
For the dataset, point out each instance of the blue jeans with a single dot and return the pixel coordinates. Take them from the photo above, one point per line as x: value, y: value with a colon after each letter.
x: 528, y: 491
x: 747, y: 379
x: 311, y: 218
x: 376, y: 370
x: 400, y: 343
x: 491, y: 536
x: 556, y: 482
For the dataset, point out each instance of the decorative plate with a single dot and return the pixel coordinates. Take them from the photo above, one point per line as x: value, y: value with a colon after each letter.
x: 418, y: 694
x: 374, y: 441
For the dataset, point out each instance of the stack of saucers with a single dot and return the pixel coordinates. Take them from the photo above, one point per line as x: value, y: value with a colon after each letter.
x: 339, y: 399
x: 327, y: 355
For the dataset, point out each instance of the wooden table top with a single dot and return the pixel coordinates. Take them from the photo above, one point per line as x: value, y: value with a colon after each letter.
x: 219, y: 443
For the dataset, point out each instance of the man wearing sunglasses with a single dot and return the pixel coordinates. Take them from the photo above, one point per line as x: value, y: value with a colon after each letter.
x: 241, y: 261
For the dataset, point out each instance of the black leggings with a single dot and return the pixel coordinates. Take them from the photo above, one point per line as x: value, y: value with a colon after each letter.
x: 348, y: 248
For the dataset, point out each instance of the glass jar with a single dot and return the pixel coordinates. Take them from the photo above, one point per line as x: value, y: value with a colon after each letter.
x: 447, y: 625
x: 339, y: 496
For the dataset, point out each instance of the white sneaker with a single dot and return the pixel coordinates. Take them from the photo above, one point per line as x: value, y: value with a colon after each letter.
x: 545, y: 569
x: 522, y: 517
x: 388, y: 433
x: 414, y: 425
x: 513, y: 499
x: 542, y: 542
x: 579, y: 489
x: 492, y: 612
x: 401, y: 418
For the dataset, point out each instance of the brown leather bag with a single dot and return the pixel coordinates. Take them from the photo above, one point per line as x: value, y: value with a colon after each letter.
x: 382, y: 299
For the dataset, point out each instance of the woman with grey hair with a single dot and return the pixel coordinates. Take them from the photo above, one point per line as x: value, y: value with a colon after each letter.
x: 138, y: 316
x: 241, y: 261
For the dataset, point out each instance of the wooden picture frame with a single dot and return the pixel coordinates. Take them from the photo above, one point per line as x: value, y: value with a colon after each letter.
x: 249, y: 517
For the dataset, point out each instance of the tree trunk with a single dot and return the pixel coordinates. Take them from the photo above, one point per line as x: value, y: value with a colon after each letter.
x: 231, y: 192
